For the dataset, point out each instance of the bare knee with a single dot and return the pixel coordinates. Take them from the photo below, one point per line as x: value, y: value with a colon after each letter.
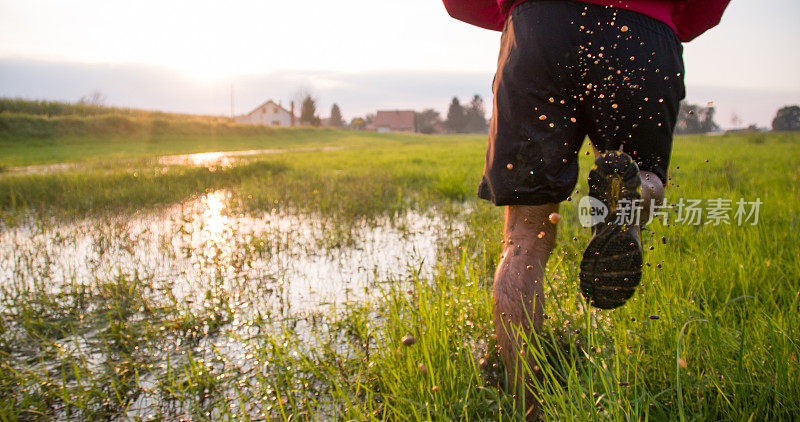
x: 529, y: 227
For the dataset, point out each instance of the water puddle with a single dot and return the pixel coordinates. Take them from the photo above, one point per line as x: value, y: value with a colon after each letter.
x: 216, y: 159
x: 39, y: 169
x: 228, y: 158
x: 283, y: 262
x: 234, y: 280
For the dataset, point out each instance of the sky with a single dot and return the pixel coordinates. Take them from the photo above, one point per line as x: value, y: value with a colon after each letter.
x: 362, y: 54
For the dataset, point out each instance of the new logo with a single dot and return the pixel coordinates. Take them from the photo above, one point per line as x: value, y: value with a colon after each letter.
x: 591, y: 211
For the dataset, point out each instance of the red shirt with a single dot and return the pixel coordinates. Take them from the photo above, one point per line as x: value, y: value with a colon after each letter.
x: 689, y: 18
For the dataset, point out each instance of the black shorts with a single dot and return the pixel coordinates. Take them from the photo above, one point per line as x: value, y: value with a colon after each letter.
x: 569, y: 69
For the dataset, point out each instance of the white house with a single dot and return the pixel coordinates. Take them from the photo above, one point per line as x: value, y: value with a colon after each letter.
x: 268, y: 114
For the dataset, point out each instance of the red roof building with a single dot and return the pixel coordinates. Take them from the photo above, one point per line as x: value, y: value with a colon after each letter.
x: 394, y: 121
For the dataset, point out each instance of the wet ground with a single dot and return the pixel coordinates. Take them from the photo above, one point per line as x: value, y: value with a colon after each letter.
x: 285, y: 268
x: 291, y: 261
x: 215, y: 159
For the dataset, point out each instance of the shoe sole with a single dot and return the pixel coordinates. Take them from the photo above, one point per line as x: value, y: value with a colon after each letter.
x: 611, y: 267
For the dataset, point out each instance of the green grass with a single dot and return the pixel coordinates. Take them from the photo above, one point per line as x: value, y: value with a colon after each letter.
x: 58, y: 108
x: 37, y: 133
x: 727, y: 297
x: 31, y: 140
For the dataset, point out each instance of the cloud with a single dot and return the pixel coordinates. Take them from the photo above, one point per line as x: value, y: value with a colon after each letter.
x: 151, y: 87
x: 357, y: 93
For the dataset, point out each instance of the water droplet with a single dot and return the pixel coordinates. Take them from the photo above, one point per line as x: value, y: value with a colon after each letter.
x: 408, y: 340
x: 573, y: 120
x: 509, y: 166
x: 552, y: 100
x: 554, y: 217
x: 614, y: 105
x: 542, y: 117
x: 624, y: 28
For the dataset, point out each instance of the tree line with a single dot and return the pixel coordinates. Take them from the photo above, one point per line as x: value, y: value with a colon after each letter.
x: 693, y: 118
x: 460, y: 119
x: 471, y: 118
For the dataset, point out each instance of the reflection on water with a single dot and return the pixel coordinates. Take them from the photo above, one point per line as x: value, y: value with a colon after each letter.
x: 214, y: 160
x: 227, y: 158
x: 279, y: 261
x: 39, y: 169
x: 232, y: 278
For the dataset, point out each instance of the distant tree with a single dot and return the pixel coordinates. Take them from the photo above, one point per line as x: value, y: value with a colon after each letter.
x: 369, y: 118
x: 707, y: 123
x: 456, y: 117
x: 475, y: 116
x: 308, y: 112
x: 358, y: 123
x: 336, y: 116
x: 695, y: 119
x: 688, y: 119
x: 96, y: 98
x: 427, y: 121
x: 787, y: 118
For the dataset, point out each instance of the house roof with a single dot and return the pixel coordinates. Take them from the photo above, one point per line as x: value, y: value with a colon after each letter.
x: 268, y: 102
x: 395, y: 119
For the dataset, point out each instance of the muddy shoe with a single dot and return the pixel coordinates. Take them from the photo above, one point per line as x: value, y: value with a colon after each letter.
x: 611, y: 267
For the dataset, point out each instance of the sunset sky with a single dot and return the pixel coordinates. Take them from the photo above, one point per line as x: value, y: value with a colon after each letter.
x: 363, y: 54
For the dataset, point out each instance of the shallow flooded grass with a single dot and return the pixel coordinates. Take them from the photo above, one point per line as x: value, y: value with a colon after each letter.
x: 356, y: 284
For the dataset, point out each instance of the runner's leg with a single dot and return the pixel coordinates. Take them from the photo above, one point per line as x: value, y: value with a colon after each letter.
x: 518, y: 294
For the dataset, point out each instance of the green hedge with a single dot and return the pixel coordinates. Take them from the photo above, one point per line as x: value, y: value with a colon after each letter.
x: 30, y: 126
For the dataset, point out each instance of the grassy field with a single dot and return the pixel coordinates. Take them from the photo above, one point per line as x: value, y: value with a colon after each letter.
x: 711, y: 334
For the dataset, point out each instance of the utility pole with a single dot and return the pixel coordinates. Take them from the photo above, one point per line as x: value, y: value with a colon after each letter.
x: 231, y: 100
